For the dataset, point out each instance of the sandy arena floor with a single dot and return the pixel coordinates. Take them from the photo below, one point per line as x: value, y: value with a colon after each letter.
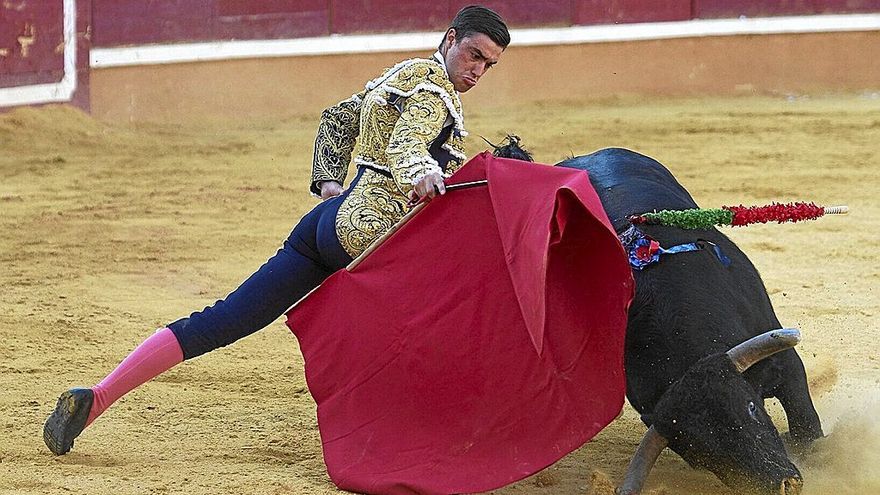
x: 110, y: 232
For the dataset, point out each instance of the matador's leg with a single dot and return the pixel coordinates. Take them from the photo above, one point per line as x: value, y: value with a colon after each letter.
x: 303, y: 262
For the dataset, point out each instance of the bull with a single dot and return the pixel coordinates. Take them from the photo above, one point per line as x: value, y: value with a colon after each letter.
x: 699, y: 357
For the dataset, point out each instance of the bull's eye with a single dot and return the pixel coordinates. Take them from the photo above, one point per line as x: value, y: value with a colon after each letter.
x: 753, y: 410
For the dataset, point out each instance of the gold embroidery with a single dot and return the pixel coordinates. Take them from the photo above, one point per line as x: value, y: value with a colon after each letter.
x: 371, y: 208
x: 335, y: 141
x: 395, y: 120
x: 395, y: 137
x: 407, y: 153
x: 377, y: 123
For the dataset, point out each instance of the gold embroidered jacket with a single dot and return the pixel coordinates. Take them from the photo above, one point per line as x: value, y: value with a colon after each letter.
x: 396, y: 118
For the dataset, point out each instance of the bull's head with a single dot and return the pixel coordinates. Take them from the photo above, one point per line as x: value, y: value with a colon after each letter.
x: 715, y: 420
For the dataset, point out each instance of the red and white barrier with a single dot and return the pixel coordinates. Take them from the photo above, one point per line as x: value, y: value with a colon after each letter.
x: 35, y: 53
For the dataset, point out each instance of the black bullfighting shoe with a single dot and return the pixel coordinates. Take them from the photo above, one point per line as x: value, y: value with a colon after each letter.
x: 68, y: 419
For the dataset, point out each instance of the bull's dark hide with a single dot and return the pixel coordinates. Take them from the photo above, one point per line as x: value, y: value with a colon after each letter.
x: 690, y: 306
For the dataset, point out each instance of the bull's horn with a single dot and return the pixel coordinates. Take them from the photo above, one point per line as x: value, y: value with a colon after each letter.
x: 646, y: 455
x: 762, y: 346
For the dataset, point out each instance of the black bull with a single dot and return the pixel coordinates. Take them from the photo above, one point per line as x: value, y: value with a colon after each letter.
x: 689, y: 310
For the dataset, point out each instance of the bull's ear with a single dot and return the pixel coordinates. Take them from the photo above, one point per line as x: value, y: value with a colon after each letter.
x: 759, y: 347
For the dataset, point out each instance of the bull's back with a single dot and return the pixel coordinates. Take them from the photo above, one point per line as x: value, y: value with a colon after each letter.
x: 630, y: 183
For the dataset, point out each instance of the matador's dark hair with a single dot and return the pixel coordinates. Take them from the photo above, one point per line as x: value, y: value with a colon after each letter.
x: 477, y: 19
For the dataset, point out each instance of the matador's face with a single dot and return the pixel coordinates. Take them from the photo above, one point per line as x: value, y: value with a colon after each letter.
x: 467, y: 59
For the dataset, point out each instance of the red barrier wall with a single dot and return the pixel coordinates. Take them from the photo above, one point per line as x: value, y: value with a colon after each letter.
x: 522, y: 13
x: 708, y: 9
x: 364, y: 16
x: 136, y: 22
x: 609, y: 12
x: 28, y: 37
x: 32, y: 46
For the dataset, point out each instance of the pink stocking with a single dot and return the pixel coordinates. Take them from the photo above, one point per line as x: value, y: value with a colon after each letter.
x: 159, y: 353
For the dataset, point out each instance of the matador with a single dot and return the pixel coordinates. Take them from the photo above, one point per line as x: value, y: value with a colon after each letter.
x: 409, y: 128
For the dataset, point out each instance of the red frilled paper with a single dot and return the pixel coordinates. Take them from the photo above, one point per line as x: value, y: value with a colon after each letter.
x: 477, y: 345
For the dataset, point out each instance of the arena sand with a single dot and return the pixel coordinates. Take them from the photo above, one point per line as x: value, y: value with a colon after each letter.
x: 109, y: 232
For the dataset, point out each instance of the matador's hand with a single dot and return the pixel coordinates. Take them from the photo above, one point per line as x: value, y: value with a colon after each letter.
x: 431, y: 185
x: 330, y: 189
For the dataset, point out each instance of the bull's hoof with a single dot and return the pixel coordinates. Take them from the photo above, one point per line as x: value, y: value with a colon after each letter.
x: 799, y: 446
x: 68, y: 419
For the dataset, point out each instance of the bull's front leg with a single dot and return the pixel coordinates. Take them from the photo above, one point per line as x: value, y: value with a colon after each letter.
x: 804, y: 424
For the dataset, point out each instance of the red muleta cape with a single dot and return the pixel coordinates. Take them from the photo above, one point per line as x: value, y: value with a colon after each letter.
x: 477, y: 345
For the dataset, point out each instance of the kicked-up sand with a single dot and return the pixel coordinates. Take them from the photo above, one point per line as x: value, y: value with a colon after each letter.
x: 109, y: 232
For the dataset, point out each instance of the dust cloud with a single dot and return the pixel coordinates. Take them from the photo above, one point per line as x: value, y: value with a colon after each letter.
x: 846, y: 461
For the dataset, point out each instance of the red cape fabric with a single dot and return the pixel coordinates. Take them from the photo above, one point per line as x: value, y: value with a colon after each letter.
x: 479, y: 344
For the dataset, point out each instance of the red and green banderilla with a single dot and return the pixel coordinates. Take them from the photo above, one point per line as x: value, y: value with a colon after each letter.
x: 703, y: 218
